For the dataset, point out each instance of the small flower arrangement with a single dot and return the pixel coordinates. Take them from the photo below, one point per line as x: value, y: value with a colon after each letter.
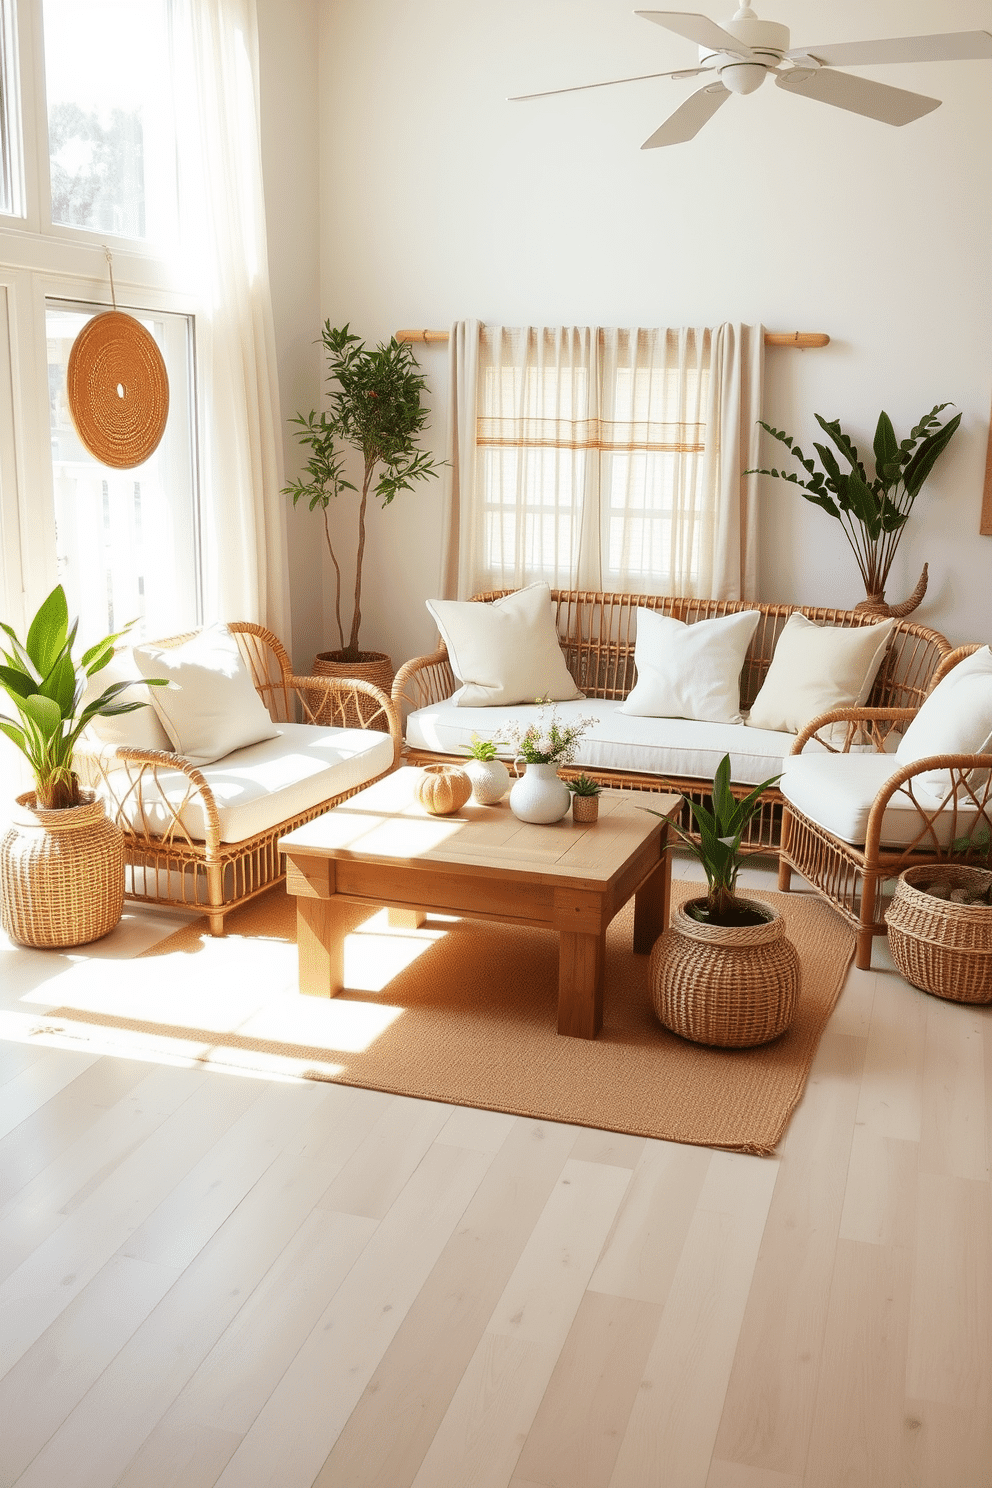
x: 583, y: 786
x: 482, y: 749
x: 548, y: 741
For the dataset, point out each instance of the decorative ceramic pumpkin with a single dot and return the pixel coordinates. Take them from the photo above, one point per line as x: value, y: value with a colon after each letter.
x: 443, y: 789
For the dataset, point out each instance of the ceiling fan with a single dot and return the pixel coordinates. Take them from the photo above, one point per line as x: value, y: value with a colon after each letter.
x: 743, y: 51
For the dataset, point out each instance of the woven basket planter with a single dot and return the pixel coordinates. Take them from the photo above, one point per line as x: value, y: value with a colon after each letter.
x: 372, y: 666
x: 61, y: 874
x: 939, y: 946
x: 731, y: 986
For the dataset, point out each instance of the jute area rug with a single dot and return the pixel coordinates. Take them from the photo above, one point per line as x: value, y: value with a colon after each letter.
x: 463, y: 1011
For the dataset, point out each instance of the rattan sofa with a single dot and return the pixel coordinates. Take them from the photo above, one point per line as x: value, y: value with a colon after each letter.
x: 153, y: 794
x: 597, y: 635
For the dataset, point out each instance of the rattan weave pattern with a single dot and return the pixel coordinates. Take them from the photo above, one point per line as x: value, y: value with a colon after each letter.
x: 61, y: 874
x: 730, y: 986
x: 940, y: 946
x: 118, y: 390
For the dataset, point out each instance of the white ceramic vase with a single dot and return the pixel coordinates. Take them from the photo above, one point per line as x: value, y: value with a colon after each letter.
x: 490, y: 780
x: 540, y: 796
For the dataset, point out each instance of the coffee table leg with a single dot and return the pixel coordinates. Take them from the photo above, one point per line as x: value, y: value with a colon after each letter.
x: 320, y: 939
x: 652, y: 904
x: 580, y: 984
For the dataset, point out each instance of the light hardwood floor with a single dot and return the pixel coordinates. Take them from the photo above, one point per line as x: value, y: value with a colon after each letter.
x: 207, y: 1279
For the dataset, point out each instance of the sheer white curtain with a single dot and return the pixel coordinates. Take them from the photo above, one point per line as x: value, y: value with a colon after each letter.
x: 223, y: 251
x: 604, y: 458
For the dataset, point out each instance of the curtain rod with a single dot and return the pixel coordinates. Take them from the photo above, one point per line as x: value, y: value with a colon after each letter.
x: 772, y: 338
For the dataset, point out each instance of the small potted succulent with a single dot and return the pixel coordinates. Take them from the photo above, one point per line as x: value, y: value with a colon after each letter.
x: 489, y: 776
x: 585, y: 799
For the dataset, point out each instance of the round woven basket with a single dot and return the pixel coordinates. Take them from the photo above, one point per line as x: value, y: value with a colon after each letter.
x: 731, y: 986
x: 940, y: 946
x: 372, y: 666
x: 118, y: 390
x: 61, y: 874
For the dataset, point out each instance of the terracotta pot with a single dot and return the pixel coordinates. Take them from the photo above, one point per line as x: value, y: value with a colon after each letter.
x: 730, y: 986
x: 61, y: 874
x: 372, y: 666
x: 443, y: 789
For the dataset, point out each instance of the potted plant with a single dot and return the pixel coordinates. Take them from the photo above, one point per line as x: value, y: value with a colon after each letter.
x: 585, y: 799
x: 376, y: 408
x: 724, y: 972
x: 489, y: 776
x: 62, y: 860
x: 872, y: 510
x: 540, y: 795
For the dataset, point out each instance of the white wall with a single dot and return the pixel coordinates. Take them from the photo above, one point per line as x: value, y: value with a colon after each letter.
x: 440, y: 200
x: 289, y: 99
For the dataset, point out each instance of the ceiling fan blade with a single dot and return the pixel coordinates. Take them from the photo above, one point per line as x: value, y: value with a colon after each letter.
x: 698, y: 28
x: 857, y: 95
x: 952, y: 46
x: 610, y: 83
x: 687, y: 121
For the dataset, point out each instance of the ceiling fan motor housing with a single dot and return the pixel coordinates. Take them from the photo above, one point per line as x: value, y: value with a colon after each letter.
x: 768, y: 40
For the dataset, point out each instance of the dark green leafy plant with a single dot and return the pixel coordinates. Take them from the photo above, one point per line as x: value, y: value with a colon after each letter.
x: 582, y: 785
x: 46, y: 687
x: 375, y: 407
x: 721, y: 829
x: 871, y: 509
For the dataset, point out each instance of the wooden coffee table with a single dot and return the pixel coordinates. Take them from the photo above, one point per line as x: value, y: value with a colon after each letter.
x: 381, y: 847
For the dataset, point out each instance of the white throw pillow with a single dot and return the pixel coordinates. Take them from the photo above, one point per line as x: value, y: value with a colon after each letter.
x: 210, y: 706
x: 955, y: 719
x: 816, y: 669
x: 690, y: 671
x: 141, y: 729
x: 505, y: 652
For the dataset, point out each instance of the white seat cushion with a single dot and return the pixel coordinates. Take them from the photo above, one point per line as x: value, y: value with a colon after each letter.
x: 837, y: 792
x: 678, y: 747
x: 264, y: 784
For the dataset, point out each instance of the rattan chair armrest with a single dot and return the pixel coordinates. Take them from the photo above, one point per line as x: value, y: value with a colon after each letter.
x: 864, y: 717
x: 342, y: 689
x: 424, y: 680
x: 126, y: 775
x: 960, y: 793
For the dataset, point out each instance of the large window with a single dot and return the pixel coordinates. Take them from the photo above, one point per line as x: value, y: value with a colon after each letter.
x: 88, y: 164
x: 126, y: 540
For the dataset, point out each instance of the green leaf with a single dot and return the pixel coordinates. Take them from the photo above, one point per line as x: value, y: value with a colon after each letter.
x: 886, y: 448
x: 43, y: 712
x: 928, y: 453
x: 49, y: 632
x: 843, y: 443
x: 864, y: 504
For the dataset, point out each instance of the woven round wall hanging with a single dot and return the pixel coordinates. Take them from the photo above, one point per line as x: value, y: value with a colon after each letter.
x: 118, y: 389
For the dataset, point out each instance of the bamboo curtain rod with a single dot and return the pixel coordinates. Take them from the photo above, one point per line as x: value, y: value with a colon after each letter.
x: 772, y: 338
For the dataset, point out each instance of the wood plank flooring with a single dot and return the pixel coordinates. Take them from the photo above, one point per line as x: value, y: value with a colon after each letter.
x: 207, y: 1279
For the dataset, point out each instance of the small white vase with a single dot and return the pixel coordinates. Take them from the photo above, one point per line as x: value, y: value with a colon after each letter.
x: 540, y: 796
x: 490, y: 780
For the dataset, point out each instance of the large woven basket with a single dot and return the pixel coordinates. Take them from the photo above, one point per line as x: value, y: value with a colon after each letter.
x: 731, y: 986
x: 374, y: 667
x: 61, y: 874
x: 940, y: 946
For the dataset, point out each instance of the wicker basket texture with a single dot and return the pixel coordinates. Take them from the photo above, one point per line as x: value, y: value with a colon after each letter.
x: 374, y: 667
x: 585, y: 809
x: 938, y: 945
x: 730, y: 986
x: 61, y: 874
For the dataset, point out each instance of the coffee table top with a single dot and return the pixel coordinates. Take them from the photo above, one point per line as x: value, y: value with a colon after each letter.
x: 385, y: 823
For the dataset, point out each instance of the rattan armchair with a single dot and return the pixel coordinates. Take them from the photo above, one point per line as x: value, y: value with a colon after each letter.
x: 852, y: 876
x: 168, y: 865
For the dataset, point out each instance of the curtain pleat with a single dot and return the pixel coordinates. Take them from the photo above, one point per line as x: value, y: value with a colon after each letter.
x: 604, y: 458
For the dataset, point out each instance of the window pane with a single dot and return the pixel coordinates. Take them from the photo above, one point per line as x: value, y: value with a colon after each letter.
x: 10, y: 162
x: 126, y: 539
x: 109, y: 131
